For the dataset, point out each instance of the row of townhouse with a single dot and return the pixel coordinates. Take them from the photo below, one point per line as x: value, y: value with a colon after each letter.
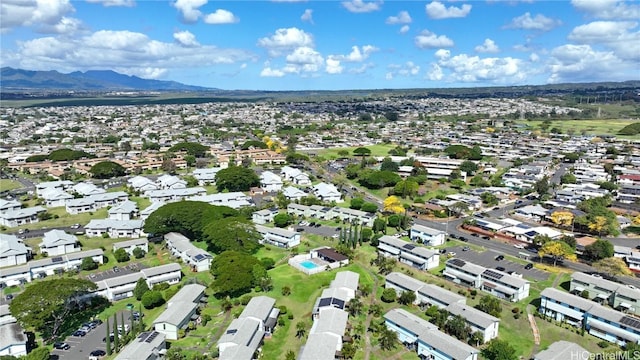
x: 433, y: 295
x: 180, y: 246
x: 173, y: 195
x: 180, y: 310
x: 149, y: 345
x: 630, y: 256
x: 121, y: 287
x: 130, y: 245
x: 164, y: 182
x: 495, y: 282
x: 243, y: 337
x: 408, y: 253
x: 13, y: 251
x: 325, y: 338
x: 13, y: 339
x: 619, y: 296
x: 21, y: 216
x: 426, y: 235
x: 425, y: 339
x: 36, y: 269
x: 326, y: 213
x: 278, y: 237
x: 598, y: 320
x: 114, y: 228
x: 233, y: 200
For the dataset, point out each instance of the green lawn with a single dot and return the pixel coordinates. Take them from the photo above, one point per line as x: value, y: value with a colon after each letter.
x: 376, y: 150
x: 592, y: 127
x: 7, y: 184
x: 65, y: 219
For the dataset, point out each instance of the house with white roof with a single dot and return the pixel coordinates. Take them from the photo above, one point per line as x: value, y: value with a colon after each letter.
x: 293, y: 194
x: 563, y: 350
x: 59, y: 184
x: 13, y: 251
x: 121, y: 287
x: 180, y: 246
x: 477, y: 320
x: 173, y: 195
x: 109, y: 198
x: 80, y: 205
x: 206, y: 176
x: 54, y: 197
x: 264, y: 216
x: 425, y: 338
x: 295, y: 176
x: 234, y: 200
x: 180, y: 311
x: 427, y: 235
x: 149, y: 345
x: 619, y: 296
x: 13, y: 340
x: 345, y: 214
x: 408, y: 253
x: 244, y: 335
x: 57, y: 242
x: 59, y: 264
x: 115, y: 228
x: 144, y: 213
x: 142, y: 184
x: 19, y: 217
x: 298, y: 210
x: 170, y: 182
x: 86, y: 189
x: 327, y: 192
x: 426, y: 294
x: 533, y: 212
x: 125, y: 210
x: 325, y: 337
x: 270, y: 182
x: 9, y: 205
x: 130, y: 245
x: 279, y: 237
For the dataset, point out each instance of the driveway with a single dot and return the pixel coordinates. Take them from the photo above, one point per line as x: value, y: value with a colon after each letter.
x: 111, y: 273
x: 487, y: 259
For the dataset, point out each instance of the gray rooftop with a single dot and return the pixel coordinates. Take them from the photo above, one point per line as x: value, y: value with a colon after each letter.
x: 346, y: 279
x: 479, y: 318
x: 12, y: 334
x: 427, y: 230
x: 441, y: 295
x: 245, y: 333
x: 127, y: 243
x: 143, y: 346
x: 162, y: 269
x: 330, y: 320
x: 562, y: 350
x: 320, y: 346
x: 181, y: 305
x: 259, y: 307
x: 404, y: 281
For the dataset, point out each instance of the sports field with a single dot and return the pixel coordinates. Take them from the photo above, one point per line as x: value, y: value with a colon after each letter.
x: 590, y: 127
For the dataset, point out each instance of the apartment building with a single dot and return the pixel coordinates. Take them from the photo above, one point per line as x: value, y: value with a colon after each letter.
x: 408, y: 253
x: 618, y: 296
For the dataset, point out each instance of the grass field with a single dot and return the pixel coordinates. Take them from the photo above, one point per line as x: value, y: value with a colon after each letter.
x: 591, y: 127
x: 376, y: 150
x: 8, y: 184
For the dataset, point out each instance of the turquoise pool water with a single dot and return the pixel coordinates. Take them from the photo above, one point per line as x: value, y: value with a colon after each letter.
x: 308, y: 265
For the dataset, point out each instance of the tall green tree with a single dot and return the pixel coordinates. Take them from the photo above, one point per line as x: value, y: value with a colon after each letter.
x: 232, y: 233
x: 236, y: 178
x: 140, y: 289
x: 457, y: 326
x: 107, y: 170
x: 233, y: 273
x: 499, y: 350
x: 599, y: 250
x: 107, y: 339
x: 388, y: 339
x: 186, y: 217
x: 50, y: 306
x: 490, y: 304
x: 116, y: 334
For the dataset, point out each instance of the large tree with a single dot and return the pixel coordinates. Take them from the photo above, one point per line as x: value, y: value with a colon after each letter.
x: 236, y: 178
x: 457, y: 326
x: 613, y: 266
x: 190, y: 148
x: 50, y: 306
x: 599, y: 250
x: 490, y: 305
x: 107, y: 170
x: 185, y: 217
x: 558, y: 250
x: 232, y: 233
x: 233, y: 273
x: 392, y: 204
x: 499, y: 350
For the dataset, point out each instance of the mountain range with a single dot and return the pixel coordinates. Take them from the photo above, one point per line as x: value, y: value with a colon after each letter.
x: 92, y: 80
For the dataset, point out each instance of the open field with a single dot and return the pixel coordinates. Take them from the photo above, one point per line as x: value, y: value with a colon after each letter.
x: 376, y: 150
x: 591, y: 127
x: 7, y: 184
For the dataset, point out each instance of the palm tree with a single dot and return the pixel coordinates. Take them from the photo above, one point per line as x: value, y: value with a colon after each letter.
x: 388, y: 339
x: 354, y: 306
x: 301, y: 329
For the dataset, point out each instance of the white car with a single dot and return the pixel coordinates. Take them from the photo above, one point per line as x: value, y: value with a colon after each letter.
x: 518, y: 246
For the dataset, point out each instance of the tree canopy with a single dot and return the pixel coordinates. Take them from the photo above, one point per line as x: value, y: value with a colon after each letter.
x: 48, y: 306
x: 62, y: 155
x: 613, y: 266
x: 463, y: 152
x: 254, y: 144
x: 599, y: 250
x: 107, y: 170
x: 361, y: 151
x: 190, y: 148
x: 558, y: 250
x: 186, y: 217
x: 234, y: 273
x: 499, y: 350
x: 376, y: 179
x: 232, y: 233
x: 393, y: 204
x: 236, y: 178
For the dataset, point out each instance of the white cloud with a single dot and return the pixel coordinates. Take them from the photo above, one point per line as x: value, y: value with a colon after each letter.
x: 221, y: 16
x: 534, y: 57
x: 46, y: 15
x: 333, y: 66
x: 307, y: 16
x: 186, y: 39
x: 108, y: 3
x: 409, y: 68
x: 615, y: 35
x: 403, y: 17
x: 360, y: 6
x: 285, y: 39
x: 404, y: 29
x: 608, y: 9
x: 488, y: 46
x: 436, y: 10
x: 538, y: 22
x: 358, y: 56
x: 269, y: 72
x: 571, y: 63
x: 189, y: 9
x: 465, y: 68
x: 135, y: 53
x: 304, y: 59
x: 427, y: 40
x: 388, y: 76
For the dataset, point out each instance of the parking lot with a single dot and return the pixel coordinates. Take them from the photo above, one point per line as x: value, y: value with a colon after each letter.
x: 117, y: 270
x: 487, y: 259
x: 82, y: 346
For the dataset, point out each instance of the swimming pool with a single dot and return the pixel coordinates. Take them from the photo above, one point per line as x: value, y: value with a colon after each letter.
x: 308, y: 265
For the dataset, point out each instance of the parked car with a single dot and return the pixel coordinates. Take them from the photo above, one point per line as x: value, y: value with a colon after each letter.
x: 499, y: 268
x: 116, y: 269
x: 466, y: 248
x: 529, y: 266
x: 9, y: 297
x: 518, y: 246
x: 97, y: 354
x: 61, y: 346
x: 75, y: 226
x: 79, y: 333
x: 499, y: 257
x: 299, y: 229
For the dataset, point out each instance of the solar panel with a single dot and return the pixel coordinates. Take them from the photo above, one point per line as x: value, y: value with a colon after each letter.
x: 325, y: 302
x: 232, y: 331
x: 409, y: 246
x: 493, y: 274
x: 199, y: 257
x: 151, y: 337
x: 56, y: 259
x: 630, y: 321
x: 457, y: 262
x: 339, y: 303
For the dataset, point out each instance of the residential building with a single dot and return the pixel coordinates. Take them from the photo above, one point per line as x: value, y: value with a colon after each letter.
x: 150, y: 345
x: 279, y: 237
x: 169, y: 273
x: 86, y: 189
x: 130, y: 245
x: 173, y: 195
x: 326, y: 335
x: 180, y: 246
x: 408, y: 253
x: 264, y: 216
x: 121, y: 287
x: 80, y: 205
x: 206, y: 176
x: 181, y: 309
x: 114, y: 228
x: 341, y: 290
x: 425, y: 338
x: 57, y: 242
x: 603, y: 291
x: 9, y: 205
x: 426, y: 294
x: 476, y: 320
x: 293, y: 194
x: 59, y: 264
x: 298, y: 210
x: 13, y: 218
x: 244, y: 335
x: 345, y: 214
x: 58, y: 184
x: 233, y: 200
x: 13, y: 251
x: 123, y: 211
x: 427, y: 235
x: 497, y: 283
x: 295, y: 176
x: 599, y: 321
x: 270, y: 182
x: 172, y: 182
x: 54, y: 197
x: 563, y: 350
x: 109, y: 199
x: 13, y: 340
x: 142, y: 184
x: 327, y: 192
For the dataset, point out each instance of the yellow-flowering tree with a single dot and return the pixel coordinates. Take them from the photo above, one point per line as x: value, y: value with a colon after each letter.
x: 558, y: 250
x: 636, y: 220
x: 598, y: 224
x: 562, y: 218
x: 393, y: 204
x: 612, y: 266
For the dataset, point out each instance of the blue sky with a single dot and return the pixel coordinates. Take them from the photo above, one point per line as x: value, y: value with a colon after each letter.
x: 328, y: 45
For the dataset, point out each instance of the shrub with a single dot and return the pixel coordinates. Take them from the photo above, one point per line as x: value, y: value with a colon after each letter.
x: 603, y: 344
x: 152, y: 299
x: 286, y: 291
x: 283, y: 309
x: 160, y: 286
x: 121, y: 255
x: 280, y: 321
x: 138, y: 253
x: 515, y: 310
x: 205, y: 319
x: 389, y: 295
x: 244, y: 300
x: 290, y: 316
